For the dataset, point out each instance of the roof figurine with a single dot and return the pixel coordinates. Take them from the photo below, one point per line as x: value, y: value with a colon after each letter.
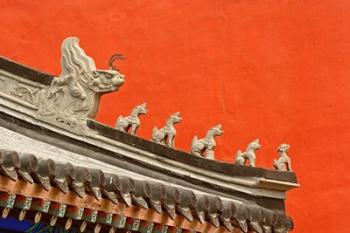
x: 205, y: 147
x: 249, y: 154
x: 131, y: 123
x: 166, y: 135
x: 76, y: 92
x: 283, y: 163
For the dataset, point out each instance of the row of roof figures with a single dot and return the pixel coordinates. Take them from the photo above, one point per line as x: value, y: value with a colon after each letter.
x: 203, y: 147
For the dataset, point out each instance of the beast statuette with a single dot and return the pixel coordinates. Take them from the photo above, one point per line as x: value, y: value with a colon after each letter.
x: 283, y: 163
x: 76, y: 92
x: 166, y: 135
x: 205, y: 147
x: 130, y: 124
x: 249, y: 155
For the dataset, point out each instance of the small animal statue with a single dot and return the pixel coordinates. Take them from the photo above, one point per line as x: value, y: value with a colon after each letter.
x: 283, y: 163
x: 131, y: 123
x: 166, y: 135
x: 249, y: 154
x: 205, y: 147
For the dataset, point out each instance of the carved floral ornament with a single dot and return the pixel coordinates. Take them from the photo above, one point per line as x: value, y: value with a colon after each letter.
x: 74, y: 96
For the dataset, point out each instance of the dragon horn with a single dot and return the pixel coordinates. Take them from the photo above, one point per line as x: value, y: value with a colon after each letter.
x: 117, y: 56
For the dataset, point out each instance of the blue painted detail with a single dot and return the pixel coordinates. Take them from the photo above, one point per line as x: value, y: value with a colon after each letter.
x: 13, y: 225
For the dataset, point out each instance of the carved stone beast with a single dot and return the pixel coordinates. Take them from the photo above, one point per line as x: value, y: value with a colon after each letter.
x: 76, y: 92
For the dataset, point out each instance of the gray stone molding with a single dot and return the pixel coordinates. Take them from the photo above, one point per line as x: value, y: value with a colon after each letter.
x: 248, y: 185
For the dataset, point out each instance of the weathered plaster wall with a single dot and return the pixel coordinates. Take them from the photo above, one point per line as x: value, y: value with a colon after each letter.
x: 276, y: 70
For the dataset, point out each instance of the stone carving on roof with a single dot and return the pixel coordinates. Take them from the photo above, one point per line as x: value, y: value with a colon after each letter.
x: 76, y: 92
x: 249, y: 155
x: 166, y: 135
x: 130, y: 124
x: 69, y: 99
x: 283, y: 163
x: 205, y: 147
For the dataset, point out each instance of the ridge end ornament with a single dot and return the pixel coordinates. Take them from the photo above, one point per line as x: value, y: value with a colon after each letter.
x: 167, y: 134
x: 249, y: 154
x: 205, y: 147
x: 74, y: 95
x: 284, y: 162
x: 131, y: 123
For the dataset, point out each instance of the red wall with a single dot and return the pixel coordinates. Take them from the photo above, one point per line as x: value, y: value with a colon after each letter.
x: 274, y: 70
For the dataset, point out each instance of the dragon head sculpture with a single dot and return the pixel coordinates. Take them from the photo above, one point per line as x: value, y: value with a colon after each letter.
x: 77, y: 90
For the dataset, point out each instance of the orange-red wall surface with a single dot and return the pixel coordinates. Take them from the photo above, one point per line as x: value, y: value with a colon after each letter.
x: 274, y: 70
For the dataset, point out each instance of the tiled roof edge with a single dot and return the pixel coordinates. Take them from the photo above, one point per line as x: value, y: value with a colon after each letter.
x: 159, y: 197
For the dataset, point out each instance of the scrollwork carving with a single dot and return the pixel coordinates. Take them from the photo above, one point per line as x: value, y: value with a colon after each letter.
x: 25, y: 94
